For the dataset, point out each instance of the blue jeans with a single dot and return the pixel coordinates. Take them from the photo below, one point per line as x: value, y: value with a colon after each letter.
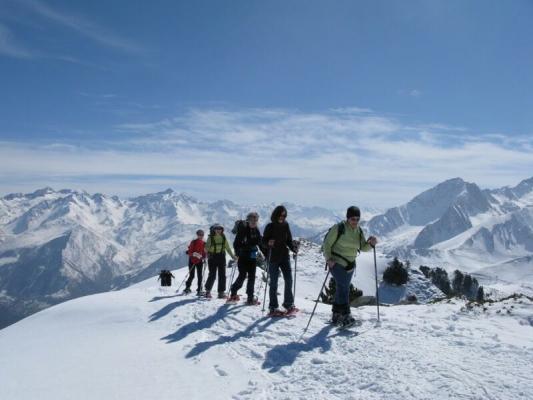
x: 273, y: 271
x: 342, y: 281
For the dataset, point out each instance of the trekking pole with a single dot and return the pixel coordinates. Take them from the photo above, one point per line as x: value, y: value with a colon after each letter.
x: 183, y: 281
x: 295, y: 264
x: 316, y: 302
x: 268, y: 273
x: 376, y: 273
x: 232, y: 273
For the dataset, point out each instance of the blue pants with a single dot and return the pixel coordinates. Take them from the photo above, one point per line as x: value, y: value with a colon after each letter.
x: 273, y: 271
x: 342, y: 281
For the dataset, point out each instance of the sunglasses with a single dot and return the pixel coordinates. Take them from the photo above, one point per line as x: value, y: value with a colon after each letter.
x: 283, y: 216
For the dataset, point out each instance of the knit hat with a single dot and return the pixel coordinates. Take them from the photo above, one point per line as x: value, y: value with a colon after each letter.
x: 353, y: 211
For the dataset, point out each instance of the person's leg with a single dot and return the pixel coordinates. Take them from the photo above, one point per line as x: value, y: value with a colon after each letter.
x: 273, y: 271
x: 221, y: 265
x: 250, y: 286
x: 288, y: 297
x: 191, y: 277
x: 199, y: 271
x: 339, y: 276
x: 211, y: 275
x: 241, y: 265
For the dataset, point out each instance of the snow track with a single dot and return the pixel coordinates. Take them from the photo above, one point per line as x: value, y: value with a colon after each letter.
x: 146, y: 342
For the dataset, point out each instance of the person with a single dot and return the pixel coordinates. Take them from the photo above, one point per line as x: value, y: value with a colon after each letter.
x: 246, y: 243
x: 197, y: 254
x: 341, y: 246
x: 165, y: 276
x: 277, y: 238
x: 217, y: 246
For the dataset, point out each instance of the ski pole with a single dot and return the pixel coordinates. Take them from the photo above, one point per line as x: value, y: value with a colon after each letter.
x: 316, y: 302
x: 183, y: 281
x: 376, y: 273
x: 295, y: 265
x: 232, y: 273
x: 268, y: 273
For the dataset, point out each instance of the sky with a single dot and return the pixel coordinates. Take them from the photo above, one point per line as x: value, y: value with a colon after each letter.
x: 314, y: 102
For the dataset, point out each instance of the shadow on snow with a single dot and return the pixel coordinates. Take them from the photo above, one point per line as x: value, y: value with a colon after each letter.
x: 204, y: 346
x: 205, y: 323
x: 169, y: 307
x: 285, y: 354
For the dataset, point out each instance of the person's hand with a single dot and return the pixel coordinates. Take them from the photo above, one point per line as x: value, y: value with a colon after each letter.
x: 372, y: 241
x: 296, y: 246
x: 196, y: 255
x: 331, y: 264
x: 236, y: 259
x: 271, y: 243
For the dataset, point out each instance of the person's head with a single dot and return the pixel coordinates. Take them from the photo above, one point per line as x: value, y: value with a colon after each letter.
x: 353, y: 215
x: 218, y: 229
x: 199, y: 234
x: 252, y: 219
x: 279, y: 214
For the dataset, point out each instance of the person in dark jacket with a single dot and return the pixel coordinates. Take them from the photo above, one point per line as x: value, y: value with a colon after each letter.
x: 246, y: 244
x: 277, y: 239
x: 197, y: 255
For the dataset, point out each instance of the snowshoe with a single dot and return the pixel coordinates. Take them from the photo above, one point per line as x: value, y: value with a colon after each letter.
x: 347, y: 322
x: 208, y: 295
x: 253, y: 301
x: 291, y: 311
x: 276, y: 313
x: 233, y: 299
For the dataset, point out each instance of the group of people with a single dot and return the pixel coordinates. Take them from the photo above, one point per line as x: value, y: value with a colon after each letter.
x: 341, y: 246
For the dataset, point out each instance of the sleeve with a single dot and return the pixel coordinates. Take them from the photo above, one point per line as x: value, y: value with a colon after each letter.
x: 290, y: 244
x: 237, y: 243
x: 364, y: 245
x: 329, y: 240
x: 208, y: 244
x: 266, y: 236
x: 190, y: 250
x: 228, y: 249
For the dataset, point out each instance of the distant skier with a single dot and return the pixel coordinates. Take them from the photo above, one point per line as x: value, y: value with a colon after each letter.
x: 165, y: 276
x: 277, y: 240
x: 217, y: 246
x: 197, y: 255
x: 246, y: 243
x: 341, y: 246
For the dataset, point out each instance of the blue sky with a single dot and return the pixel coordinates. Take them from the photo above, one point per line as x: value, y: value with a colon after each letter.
x: 316, y: 102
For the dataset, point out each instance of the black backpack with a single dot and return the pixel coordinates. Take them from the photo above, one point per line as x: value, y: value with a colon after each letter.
x: 239, y: 224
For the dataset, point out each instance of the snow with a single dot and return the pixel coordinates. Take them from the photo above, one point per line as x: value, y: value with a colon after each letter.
x: 147, y: 342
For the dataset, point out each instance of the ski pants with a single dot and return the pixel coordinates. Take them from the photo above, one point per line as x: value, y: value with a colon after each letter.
x: 216, y: 263
x: 246, y: 266
x: 273, y: 271
x: 343, y: 279
x: 192, y: 268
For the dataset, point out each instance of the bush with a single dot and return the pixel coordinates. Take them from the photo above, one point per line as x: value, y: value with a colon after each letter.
x: 396, y: 273
x: 480, y: 296
x: 328, y: 295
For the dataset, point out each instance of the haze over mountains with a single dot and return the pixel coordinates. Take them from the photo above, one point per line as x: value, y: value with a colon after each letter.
x: 58, y: 245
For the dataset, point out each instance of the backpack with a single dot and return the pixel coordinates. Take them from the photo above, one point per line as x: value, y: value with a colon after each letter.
x: 239, y: 224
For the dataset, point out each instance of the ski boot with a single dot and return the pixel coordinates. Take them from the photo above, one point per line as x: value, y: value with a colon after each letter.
x: 252, y: 301
x: 208, y: 295
x: 222, y: 295
x: 233, y: 299
x: 187, y: 290
x: 275, y: 312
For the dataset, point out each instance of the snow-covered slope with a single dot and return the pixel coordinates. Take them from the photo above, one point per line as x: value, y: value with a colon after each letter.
x: 459, y: 226
x: 146, y: 342
x: 57, y: 245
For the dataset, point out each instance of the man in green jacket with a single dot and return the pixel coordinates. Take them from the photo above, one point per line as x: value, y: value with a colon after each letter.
x: 216, y: 247
x: 341, y: 246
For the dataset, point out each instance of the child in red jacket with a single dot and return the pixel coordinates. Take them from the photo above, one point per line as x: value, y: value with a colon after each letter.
x: 196, y: 252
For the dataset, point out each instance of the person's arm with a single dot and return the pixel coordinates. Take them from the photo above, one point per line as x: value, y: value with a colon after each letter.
x: 329, y: 240
x: 290, y: 243
x: 365, y: 246
x: 204, y: 254
x: 228, y: 250
x: 267, y: 235
x: 237, y: 243
x: 208, y: 245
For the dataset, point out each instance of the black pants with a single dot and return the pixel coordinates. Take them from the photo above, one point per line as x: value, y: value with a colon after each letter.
x: 246, y: 266
x: 216, y: 263
x: 192, y: 268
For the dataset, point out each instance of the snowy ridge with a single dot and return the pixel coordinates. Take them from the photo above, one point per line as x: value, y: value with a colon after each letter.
x: 146, y: 342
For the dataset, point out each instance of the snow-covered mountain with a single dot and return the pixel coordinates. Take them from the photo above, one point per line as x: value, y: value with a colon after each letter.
x: 458, y: 225
x: 57, y: 245
x: 146, y: 342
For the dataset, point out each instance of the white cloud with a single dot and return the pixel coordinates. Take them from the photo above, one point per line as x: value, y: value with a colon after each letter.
x: 322, y: 158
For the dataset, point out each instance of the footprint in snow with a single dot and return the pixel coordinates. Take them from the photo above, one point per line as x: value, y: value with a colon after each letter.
x: 220, y: 371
